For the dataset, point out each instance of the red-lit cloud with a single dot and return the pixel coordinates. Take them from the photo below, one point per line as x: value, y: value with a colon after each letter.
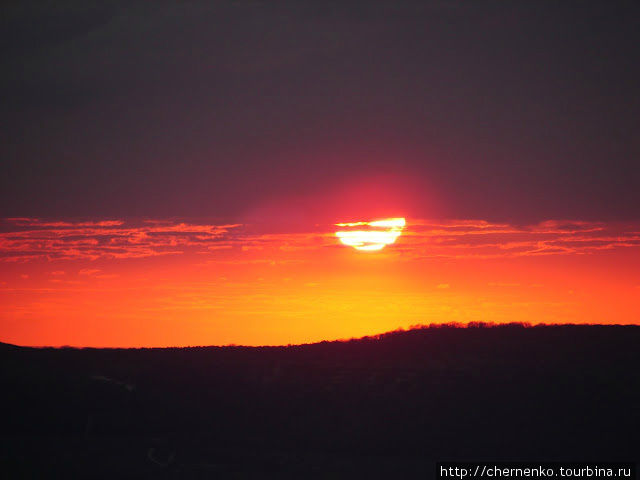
x: 25, y: 239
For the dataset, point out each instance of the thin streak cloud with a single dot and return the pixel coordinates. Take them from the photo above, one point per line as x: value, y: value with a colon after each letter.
x: 27, y: 239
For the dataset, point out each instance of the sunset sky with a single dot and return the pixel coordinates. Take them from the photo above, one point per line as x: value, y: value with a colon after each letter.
x: 173, y: 172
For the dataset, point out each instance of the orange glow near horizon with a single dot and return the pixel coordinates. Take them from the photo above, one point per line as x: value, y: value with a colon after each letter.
x: 123, y: 283
x: 382, y: 233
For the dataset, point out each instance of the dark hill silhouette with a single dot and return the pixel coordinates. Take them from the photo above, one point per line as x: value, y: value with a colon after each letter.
x: 388, y: 406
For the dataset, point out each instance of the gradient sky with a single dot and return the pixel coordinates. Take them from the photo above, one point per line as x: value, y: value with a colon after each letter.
x: 172, y: 170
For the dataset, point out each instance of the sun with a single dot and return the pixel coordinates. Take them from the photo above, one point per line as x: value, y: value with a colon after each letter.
x: 374, y: 236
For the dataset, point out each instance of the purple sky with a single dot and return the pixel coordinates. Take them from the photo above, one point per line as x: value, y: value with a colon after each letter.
x: 506, y: 111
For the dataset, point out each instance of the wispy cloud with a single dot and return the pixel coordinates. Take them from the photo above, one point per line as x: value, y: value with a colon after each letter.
x: 89, y: 271
x: 24, y: 239
x: 28, y: 238
x: 480, y: 239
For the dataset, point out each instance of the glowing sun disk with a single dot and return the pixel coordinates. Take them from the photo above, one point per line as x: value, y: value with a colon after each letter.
x: 382, y: 233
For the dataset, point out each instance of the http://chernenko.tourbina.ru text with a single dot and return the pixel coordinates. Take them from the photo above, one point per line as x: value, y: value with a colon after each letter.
x: 489, y: 470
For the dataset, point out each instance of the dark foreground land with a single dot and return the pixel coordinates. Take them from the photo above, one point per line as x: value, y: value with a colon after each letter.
x: 385, y: 407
